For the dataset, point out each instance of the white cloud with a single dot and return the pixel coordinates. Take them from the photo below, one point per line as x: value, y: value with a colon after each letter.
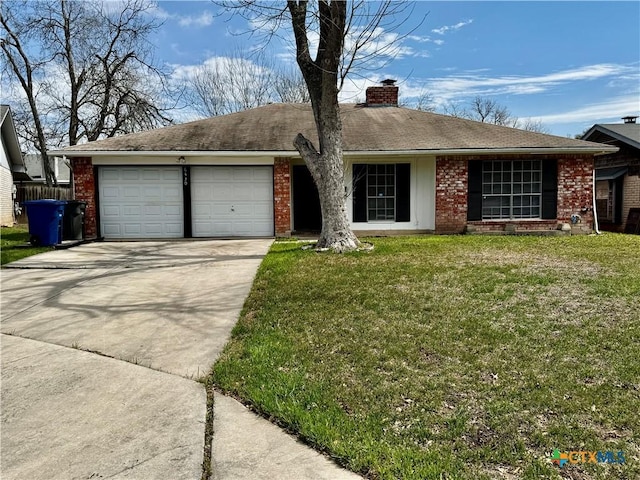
x: 455, y: 86
x: 203, y: 20
x: 608, y: 111
x: 447, y: 28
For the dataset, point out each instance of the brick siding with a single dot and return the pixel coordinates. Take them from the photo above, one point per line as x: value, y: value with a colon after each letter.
x: 575, y: 175
x: 282, y: 196
x: 84, y: 187
x: 451, y: 194
x: 575, y: 190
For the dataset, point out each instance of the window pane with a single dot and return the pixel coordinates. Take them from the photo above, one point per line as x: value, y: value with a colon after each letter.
x: 381, y: 191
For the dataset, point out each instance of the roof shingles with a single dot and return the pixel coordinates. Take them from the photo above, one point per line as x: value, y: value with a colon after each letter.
x: 273, y: 127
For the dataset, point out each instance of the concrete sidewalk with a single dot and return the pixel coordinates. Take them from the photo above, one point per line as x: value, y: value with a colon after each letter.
x: 159, y: 313
x: 72, y: 414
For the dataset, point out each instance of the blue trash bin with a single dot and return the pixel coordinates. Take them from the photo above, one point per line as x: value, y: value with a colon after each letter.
x: 45, y: 221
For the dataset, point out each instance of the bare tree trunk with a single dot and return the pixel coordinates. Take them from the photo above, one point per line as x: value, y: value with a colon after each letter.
x: 321, y: 76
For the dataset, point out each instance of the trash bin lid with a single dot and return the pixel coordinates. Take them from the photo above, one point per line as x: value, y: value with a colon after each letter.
x: 46, y: 201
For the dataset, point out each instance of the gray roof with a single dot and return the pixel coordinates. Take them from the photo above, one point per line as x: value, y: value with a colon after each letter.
x: 11, y: 144
x: 628, y: 133
x: 273, y: 127
x: 9, y: 136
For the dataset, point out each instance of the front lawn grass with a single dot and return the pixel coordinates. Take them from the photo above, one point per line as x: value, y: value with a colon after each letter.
x: 13, y: 241
x: 448, y: 356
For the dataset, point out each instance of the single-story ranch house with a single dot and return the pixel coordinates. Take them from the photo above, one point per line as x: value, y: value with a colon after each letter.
x: 405, y: 171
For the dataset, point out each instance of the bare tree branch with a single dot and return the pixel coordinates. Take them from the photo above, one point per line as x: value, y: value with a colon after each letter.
x: 89, y: 68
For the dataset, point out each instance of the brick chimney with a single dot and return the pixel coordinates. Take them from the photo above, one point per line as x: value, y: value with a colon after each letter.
x: 384, y: 96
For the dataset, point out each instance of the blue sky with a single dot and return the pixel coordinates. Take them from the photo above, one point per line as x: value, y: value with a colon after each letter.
x: 567, y: 64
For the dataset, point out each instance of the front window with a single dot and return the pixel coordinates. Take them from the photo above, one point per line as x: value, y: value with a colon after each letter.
x: 511, y: 189
x: 381, y: 192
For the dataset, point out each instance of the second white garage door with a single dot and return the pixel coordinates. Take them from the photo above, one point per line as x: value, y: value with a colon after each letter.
x: 232, y: 201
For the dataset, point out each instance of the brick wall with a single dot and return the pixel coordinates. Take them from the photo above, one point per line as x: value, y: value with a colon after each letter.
x: 451, y: 194
x: 575, y: 175
x: 575, y: 190
x: 631, y: 196
x: 84, y: 190
x: 386, y: 95
x: 282, y: 196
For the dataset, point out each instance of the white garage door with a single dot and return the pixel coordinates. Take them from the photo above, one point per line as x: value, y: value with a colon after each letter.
x: 232, y: 201
x: 141, y: 202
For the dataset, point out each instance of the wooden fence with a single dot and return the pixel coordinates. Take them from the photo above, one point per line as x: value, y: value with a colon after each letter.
x: 40, y: 192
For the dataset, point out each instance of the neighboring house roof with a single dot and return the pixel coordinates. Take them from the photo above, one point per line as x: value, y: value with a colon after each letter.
x: 61, y: 169
x: 272, y: 128
x: 11, y: 145
x: 627, y: 133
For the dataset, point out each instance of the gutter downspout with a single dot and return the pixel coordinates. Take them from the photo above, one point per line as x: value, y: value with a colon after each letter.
x: 595, y: 212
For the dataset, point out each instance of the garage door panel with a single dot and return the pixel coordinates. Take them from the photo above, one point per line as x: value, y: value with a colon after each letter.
x: 173, y: 210
x: 110, y: 192
x: 153, y: 211
x: 112, y: 229
x: 110, y: 175
x: 232, y: 201
x: 132, y: 229
x: 172, y: 194
x: 243, y: 175
x: 222, y: 228
x: 130, y: 174
x: 202, y: 192
x: 261, y: 190
x: 152, y: 193
x: 221, y: 191
x: 263, y: 175
x: 262, y: 211
x: 111, y: 211
x: 174, y: 228
x: 220, y: 174
x: 245, y: 210
x: 130, y: 192
x: 202, y: 211
x: 141, y: 202
x: 130, y: 211
x: 153, y: 175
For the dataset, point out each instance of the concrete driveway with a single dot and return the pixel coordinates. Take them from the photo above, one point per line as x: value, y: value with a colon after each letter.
x: 101, y: 346
x: 169, y: 306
